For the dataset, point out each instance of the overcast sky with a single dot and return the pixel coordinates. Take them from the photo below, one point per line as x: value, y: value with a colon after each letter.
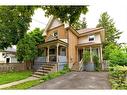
x: 115, y: 8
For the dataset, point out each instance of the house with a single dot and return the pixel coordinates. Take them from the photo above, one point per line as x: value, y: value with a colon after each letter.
x: 63, y: 44
x: 8, y: 55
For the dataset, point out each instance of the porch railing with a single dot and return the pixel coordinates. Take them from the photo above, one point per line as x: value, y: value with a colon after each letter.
x: 81, y: 65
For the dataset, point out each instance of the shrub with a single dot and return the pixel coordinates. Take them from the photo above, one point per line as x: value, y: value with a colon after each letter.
x: 96, y: 62
x: 86, y: 56
x: 118, y: 76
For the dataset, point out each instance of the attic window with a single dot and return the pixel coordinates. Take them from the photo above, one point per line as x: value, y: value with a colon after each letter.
x: 92, y: 38
x: 55, y: 34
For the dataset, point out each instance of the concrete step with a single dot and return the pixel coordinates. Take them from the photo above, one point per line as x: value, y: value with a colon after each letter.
x: 43, y: 71
x: 37, y: 76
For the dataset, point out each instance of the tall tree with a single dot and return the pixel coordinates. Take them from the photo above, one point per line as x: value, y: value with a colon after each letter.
x: 80, y: 24
x: 112, y: 34
x: 27, y: 46
x: 14, y: 23
x: 68, y: 14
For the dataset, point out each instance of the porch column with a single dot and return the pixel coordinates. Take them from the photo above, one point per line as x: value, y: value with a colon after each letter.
x: 99, y: 54
x: 57, y: 55
x: 48, y: 54
x: 91, y: 59
x: 101, y: 57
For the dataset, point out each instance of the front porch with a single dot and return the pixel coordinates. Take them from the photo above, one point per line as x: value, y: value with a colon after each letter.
x: 93, y: 49
x: 54, y: 52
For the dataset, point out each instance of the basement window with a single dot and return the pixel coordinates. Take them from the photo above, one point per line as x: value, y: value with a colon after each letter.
x: 92, y: 38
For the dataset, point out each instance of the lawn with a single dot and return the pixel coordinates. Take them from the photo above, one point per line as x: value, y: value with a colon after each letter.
x: 24, y: 85
x: 13, y: 76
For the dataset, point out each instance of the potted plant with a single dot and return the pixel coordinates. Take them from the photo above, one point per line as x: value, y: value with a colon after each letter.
x: 88, y: 66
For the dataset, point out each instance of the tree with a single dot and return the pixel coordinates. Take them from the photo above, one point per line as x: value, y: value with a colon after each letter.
x: 14, y: 23
x: 68, y: 14
x: 79, y: 24
x: 111, y: 33
x: 27, y: 46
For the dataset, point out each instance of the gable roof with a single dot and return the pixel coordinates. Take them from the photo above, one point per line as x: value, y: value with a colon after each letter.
x: 50, y: 22
x: 88, y: 30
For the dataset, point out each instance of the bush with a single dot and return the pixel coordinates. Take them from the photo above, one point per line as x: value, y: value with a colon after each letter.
x: 86, y: 56
x: 96, y: 62
x: 118, y: 76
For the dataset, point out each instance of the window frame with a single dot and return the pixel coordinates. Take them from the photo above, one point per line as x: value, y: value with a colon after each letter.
x: 91, y: 38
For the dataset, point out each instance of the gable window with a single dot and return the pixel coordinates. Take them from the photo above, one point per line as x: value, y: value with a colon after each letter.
x: 55, y: 34
x: 92, y: 38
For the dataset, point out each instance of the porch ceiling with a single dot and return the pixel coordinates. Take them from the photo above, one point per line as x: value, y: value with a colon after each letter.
x: 53, y: 42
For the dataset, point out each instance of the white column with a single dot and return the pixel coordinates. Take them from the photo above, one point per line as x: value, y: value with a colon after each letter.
x: 99, y: 54
x: 57, y: 55
x: 48, y: 54
x: 91, y: 59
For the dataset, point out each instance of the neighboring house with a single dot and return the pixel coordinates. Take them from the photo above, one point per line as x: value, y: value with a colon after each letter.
x: 8, y: 55
x: 63, y: 44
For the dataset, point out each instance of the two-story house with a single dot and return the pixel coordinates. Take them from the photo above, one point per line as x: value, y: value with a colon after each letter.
x: 63, y: 44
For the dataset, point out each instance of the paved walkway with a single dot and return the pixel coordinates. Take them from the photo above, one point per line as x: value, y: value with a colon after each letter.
x: 78, y: 80
x: 17, y: 82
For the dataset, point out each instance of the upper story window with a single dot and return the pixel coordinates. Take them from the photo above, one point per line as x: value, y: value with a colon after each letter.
x: 55, y: 34
x: 92, y: 38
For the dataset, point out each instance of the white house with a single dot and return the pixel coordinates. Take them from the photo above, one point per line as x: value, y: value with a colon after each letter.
x: 8, y: 55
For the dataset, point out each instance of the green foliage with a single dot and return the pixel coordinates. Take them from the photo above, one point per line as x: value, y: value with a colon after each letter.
x: 118, y: 77
x: 27, y: 47
x: 14, y: 23
x: 24, y: 85
x: 96, y: 62
x: 86, y: 56
x: 79, y: 24
x: 111, y: 32
x: 68, y: 14
x: 116, y: 55
x: 13, y: 76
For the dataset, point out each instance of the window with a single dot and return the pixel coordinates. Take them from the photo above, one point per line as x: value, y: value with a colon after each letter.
x: 91, y: 38
x: 55, y: 34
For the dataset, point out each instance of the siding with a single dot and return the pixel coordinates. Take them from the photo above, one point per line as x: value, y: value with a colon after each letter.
x: 85, y: 39
x: 61, y: 32
x: 72, y: 50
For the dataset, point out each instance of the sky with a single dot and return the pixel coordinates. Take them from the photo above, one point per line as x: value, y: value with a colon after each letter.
x: 117, y: 9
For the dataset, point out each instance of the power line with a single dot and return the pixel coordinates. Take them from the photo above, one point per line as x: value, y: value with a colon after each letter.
x: 38, y: 21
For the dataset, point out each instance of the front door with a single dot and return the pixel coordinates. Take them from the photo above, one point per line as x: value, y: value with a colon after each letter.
x: 80, y: 54
x: 52, y: 55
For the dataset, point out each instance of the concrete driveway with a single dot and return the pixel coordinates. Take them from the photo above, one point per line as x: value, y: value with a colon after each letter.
x: 78, y: 80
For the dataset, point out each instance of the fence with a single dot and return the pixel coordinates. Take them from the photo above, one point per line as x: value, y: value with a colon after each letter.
x: 6, y: 67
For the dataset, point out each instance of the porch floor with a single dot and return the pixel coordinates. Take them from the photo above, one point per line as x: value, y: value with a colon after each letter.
x: 78, y: 80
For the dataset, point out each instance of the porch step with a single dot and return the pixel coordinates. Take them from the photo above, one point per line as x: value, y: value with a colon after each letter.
x: 37, y: 76
x: 45, y: 69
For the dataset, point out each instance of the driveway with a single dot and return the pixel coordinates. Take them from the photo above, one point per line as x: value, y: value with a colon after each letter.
x: 78, y: 80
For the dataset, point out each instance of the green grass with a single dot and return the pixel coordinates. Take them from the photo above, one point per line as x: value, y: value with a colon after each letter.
x: 32, y: 83
x: 13, y: 76
x: 24, y: 85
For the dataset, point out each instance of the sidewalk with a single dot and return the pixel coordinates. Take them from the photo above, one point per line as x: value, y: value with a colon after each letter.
x: 17, y: 82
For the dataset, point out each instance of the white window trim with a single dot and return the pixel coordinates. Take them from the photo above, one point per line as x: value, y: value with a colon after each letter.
x: 89, y: 37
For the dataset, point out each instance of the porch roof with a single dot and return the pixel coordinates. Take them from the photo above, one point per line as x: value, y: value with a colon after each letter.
x: 53, y: 42
x: 92, y: 44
